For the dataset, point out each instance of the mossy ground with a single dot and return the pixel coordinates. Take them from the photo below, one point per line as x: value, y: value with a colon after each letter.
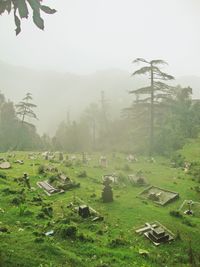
x: 112, y: 242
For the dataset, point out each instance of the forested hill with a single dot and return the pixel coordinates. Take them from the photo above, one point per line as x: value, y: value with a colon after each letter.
x: 56, y: 93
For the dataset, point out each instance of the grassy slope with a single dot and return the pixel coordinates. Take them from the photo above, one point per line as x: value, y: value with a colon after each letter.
x: 121, y: 218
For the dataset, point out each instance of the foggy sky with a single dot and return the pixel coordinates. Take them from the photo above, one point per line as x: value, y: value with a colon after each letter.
x: 88, y: 35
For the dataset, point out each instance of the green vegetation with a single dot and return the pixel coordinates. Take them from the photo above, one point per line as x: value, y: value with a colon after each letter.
x: 26, y: 215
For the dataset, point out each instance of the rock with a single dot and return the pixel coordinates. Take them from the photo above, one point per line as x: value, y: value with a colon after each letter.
x: 5, y: 165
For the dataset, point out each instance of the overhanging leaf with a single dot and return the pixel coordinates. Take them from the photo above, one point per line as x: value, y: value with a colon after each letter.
x: 39, y: 22
x: 47, y: 9
x: 17, y: 23
x: 22, y: 7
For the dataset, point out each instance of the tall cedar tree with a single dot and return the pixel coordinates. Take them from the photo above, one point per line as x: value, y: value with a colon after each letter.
x: 153, y: 94
x: 25, y: 108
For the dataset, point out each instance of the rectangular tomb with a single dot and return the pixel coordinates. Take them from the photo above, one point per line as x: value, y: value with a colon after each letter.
x: 159, y: 195
x: 156, y: 233
x: 49, y: 189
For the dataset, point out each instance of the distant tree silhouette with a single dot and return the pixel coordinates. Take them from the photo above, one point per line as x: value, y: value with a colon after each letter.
x: 25, y: 108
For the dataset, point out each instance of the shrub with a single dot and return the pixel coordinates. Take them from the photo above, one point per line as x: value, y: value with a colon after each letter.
x: 52, y: 178
x: 65, y: 230
x: 188, y: 222
x: 68, y: 163
x: 41, y: 169
x: 2, y: 175
x: 126, y: 168
x: 176, y: 213
x: 118, y: 242
x: 82, y: 174
x: 17, y: 200
x: 178, y: 160
x: 48, y: 210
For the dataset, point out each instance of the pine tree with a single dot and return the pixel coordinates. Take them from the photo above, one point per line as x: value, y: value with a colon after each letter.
x: 153, y: 94
x: 25, y: 109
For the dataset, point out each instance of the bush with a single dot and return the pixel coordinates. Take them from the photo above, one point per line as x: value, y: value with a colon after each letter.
x: 68, y: 163
x: 176, y: 213
x: 17, y: 200
x: 118, y: 242
x: 65, y: 230
x: 48, y: 210
x: 126, y: 168
x: 2, y: 175
x: 178, y: 160
x: 41, y: 169
x: 188, y: 222
x: 85, y: 238
x: 82, y: 174
x: 52, y: 178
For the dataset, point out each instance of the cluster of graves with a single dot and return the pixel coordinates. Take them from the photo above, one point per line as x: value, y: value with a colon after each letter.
x: 155, y: 232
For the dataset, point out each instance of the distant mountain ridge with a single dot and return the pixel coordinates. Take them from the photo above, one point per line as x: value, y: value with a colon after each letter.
x: 57, y: 93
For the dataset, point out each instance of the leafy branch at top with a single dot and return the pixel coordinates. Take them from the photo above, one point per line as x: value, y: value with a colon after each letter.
x: 20, y: 8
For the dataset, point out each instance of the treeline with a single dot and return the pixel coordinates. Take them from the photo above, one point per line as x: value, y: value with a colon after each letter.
x: 176, y: 118
x: 15, y: 133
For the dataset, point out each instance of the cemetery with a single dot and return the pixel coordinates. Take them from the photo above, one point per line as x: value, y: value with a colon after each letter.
x: 97, y: 211
x: 99, y: 133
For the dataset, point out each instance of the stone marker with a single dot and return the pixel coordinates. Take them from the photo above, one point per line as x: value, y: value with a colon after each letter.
x: 107, y: 194
x: 26, y: 180
x: 103, y: 162
x: 5, y: 165
x: 84, y: 211
x: 156, y: 233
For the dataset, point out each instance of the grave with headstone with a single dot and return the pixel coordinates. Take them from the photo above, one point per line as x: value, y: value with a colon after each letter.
x: 138, y: 179
x: 103, y: 162
x: 156, y: 233
x: 159, y: 195
x: 112, y: 177
x: 84, y: 211
x: 107, y: 194
x: 190, y: 207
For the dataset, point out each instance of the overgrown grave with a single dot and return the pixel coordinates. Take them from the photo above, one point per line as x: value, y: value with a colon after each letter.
x: 159, y: 195
x: 189, y: 207
x: 138, y: 179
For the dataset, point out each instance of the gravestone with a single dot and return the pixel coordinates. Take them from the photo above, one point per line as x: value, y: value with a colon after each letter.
x: 84, y: 211
x: 189, y: 210
x: 84, y: 158
x: 26, y: 180
x: 103, y: 162
x: 61, y: 157
x: 107, y: 194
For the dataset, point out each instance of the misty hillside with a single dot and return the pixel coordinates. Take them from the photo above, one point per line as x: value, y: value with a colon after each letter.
x: 57, y: 93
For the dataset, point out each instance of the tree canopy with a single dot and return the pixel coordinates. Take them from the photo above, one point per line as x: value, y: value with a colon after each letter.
x: 20, y: 10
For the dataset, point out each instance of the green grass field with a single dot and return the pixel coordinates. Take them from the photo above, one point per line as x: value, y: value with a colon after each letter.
x: 112, y: 242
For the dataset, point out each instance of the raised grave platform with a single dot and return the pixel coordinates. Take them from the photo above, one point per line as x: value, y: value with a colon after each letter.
x: 159, y: 195
x: 156, y: 233
x: 49, y: 189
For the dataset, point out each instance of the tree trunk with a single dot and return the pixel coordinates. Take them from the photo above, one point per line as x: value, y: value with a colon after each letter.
x: 152, y: 115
